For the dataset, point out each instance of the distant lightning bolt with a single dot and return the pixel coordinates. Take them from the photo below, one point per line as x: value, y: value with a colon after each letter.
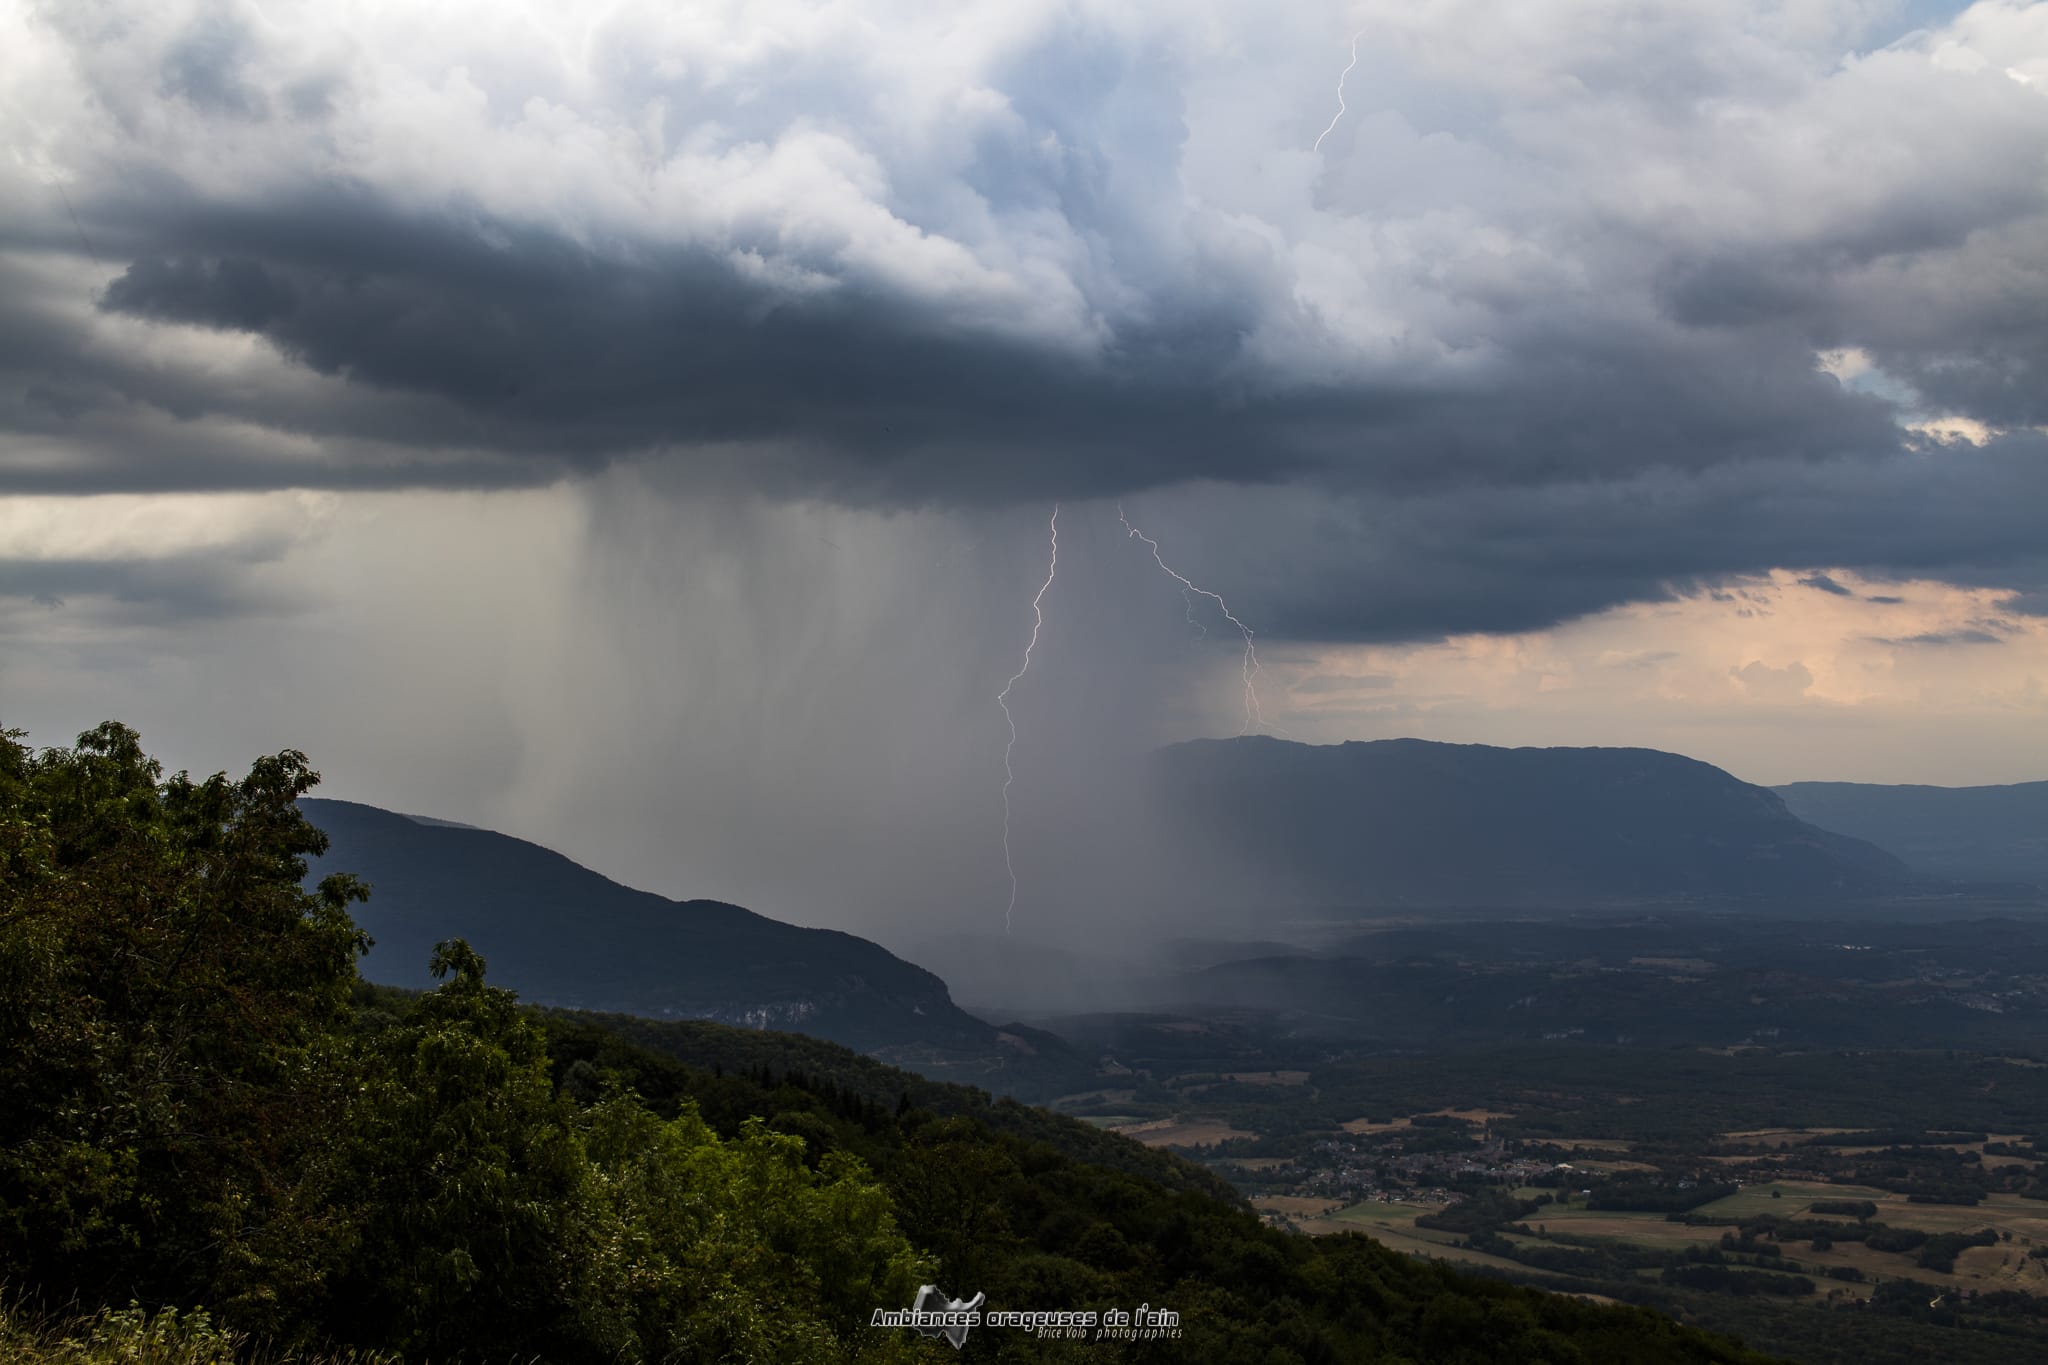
x: 1340, y: 91
x: 1254, y: 715
x: 1187, y: 596
x: 1003, y: 700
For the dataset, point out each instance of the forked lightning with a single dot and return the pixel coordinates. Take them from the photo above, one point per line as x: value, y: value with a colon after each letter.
x: 1340, y: 92
x: 1003, y: 700
x: 1254, y: 715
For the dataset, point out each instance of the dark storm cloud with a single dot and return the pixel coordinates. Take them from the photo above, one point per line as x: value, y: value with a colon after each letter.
x: 167, y: 591
x: 1951, y: 305
x: 1505, y: 559
x: 1826, y: 584
x: 237, y: 294
x: 537, y: 347
x: 520, y: 342
x: 569, y: 357
x: 1500, y: 356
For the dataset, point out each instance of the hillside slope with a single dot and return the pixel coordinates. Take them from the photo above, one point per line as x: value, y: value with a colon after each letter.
x: 563, y: 935
x: 1409, y: 822
x: 1969, y: 834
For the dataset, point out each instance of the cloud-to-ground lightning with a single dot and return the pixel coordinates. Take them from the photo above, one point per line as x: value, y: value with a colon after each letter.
x: 1003, y: 700
x: 1254, y: 715
x: 1187, y: 596
x: 1340, y: 92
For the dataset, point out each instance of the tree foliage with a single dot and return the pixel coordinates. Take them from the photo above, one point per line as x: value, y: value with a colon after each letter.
x: 170, y: 1002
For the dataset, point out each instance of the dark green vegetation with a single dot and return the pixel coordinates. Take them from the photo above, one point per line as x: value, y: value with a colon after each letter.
x: 135, y: 1336
x: 1962, y: 834
x: 206, y: 1106
x: 1407, y: 822
x: 717, y: 1048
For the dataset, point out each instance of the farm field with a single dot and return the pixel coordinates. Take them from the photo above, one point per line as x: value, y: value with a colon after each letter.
x: 1292, y: 1205
x: 1191, y: 1132
x: 1829, y: 1201
x: 2022, y: 1224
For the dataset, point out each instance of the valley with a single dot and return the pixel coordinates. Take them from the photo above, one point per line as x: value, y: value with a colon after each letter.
x: 1844, y: 1188
x: 1790, y: 1088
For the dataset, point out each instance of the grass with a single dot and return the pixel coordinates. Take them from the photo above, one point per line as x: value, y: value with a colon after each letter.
x: 1369, y: 1126
x: 1641, y: 1229
x: 1294, y: 1205
x: 1785, y: 1198
x: 1417, y: 1242
x: 1098, y: 1097
x: 1182, y: 1132
x: 1473, y: 1116
x: 1379, y: 1213
x: 135, y: 1336
x: 1782, y: 1134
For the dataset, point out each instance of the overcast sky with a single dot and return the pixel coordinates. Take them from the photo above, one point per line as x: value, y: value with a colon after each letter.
x: 635, y: 426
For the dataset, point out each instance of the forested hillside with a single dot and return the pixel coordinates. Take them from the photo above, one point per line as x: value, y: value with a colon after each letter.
x: 564, y: 935
x: 207, y: 1109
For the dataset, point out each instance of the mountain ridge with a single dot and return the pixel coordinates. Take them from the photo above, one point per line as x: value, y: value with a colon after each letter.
x: 519, y: 903
x: 1984, y: 833
x: 1410, y: 822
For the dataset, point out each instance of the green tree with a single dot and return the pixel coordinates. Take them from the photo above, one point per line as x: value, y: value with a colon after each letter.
x: 738, y: 1250
x: 167, y: 990
x: 468, y: 1178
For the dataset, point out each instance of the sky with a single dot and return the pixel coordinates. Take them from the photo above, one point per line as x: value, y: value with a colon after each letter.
x: 637, y: 426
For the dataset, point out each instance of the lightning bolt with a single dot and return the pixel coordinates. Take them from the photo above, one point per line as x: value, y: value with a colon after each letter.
x: 1254, y: 715
x: 1186, y: 595
x: 1003, y: 700
x: 1340, y: 91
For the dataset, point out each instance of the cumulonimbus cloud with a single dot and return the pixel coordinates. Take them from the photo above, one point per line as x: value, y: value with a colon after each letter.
x: 1550, y: 263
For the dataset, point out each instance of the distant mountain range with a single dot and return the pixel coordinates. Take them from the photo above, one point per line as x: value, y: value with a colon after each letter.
x: 1407, y: 822
x: 1265, y: 824
x: 1968, y: 834
x: 563, y: 935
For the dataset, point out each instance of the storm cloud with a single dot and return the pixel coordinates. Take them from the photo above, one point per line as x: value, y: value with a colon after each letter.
x: 1568, y: 310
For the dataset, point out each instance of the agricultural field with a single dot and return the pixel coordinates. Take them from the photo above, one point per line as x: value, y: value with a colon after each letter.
x: 1613, y: 1188
x: 1294, y: 1207
x: 2021, y: 1225
x: 1796, y: 1163
x: 1192, y: 1133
